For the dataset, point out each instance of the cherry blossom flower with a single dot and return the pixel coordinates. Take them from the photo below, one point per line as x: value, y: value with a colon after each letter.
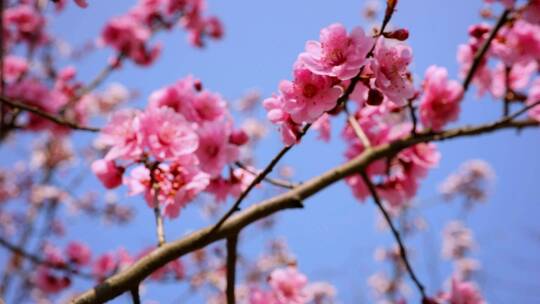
x: 390, y: 69
x: 167, y: 134
x: 214, y: 150
x: 78, y: 253
x: 440, y: 103
x: 338, y: 54
x: 108, y: 173
x: 309, y: 95
x: 520, y: 42
x: 463, y: 293
x: 533, y: 98
x: 288, y: 284
x: 14, y: 67
x: 122, y: 133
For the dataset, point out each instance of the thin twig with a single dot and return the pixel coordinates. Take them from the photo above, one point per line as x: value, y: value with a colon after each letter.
x: 479, y: 56
x: 39, y: 261
x: 124, y: 280
x: 357, y: 128
x: 135, y: 296
x: 159, y: 224
x: 274, y: 181
x: 395, y: 232
x: 56, y: 119
x: 413, y: 116
x: 521, y: 111
x: 232, y: 243
x: 507, y: 90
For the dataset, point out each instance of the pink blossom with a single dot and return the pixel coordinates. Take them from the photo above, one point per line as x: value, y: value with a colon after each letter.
x: 138, y: 180
x: 186, y: 181
x: 123, y: 134
x: 533, y: 98
x: 128, y: 36
x: 167, y: 134
x: 104, y: 265
x: 337, y: 54
x: 440, y: 103
x: 464, y: 293
x: 390, y: 68
x: 323, y: 126
x: 81, y: 3
x: 48, y: 281
x: 27, y: 22
x: 309, y: 95
x: 214, y: 150
x: 520, y: 42
x: 78, y: 253
x: 258, y: 296
x: 208, y: 106
x: 14, y: 67
x: 520, y: 75
x: 290, y: 131
x: 531, y: 12
x: 108, y: 173
x: 288, y: 284
x: 180, y: 97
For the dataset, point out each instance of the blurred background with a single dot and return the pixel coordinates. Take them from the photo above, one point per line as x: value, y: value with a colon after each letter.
x: 335, y: 237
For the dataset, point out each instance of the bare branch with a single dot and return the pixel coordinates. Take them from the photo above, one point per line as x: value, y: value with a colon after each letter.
x: 232, y: 243
x: 395, y: 233
x: 479, y: 56
x: 274, y: 181
x: 56, y: 119
x: 39, y: 261
x: 125, y: 280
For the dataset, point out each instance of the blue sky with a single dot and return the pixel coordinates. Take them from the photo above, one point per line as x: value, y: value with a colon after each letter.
x: 334, y: 236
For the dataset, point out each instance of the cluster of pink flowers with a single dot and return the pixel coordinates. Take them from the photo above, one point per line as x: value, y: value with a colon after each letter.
x: 440, y: 102
x: 181, y: 143
x: 75, y: 256
x: 289, y: 286
x: 514, y: 52
x: 462, y: 292
x: 471, y: 182
x: 129, y: 34
x: 400, y: 175
x: 324, y: 71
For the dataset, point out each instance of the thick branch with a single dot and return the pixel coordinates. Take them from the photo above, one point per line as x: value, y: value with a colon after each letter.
x: 56, y: 119
x: 232, y: 243
x: 141, y: 269
x: 395, y: 233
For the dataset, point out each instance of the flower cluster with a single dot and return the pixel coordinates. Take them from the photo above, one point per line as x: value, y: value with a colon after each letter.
x: 471, y: 182
x: 323, y: 73
x: 399, y: 177
x: 180, y: 143
x: 512, y: 59
x: 128, y: 34
x: 289, y: 286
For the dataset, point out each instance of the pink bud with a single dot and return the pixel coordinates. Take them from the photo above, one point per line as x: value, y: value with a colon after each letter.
x: 400, y: 34
x: 108, y: 173
x: 238, y: 137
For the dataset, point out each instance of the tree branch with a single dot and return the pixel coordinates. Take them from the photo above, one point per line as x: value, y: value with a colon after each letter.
x: 276, y: 182
x: 56, y: 119
x: 232, y: 242
x: 39, y: 261
x: 395, y: 232
x: 479, y: 56
x: 125, y: 280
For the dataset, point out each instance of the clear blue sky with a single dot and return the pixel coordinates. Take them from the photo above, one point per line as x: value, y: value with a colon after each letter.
x: 334, y: 236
